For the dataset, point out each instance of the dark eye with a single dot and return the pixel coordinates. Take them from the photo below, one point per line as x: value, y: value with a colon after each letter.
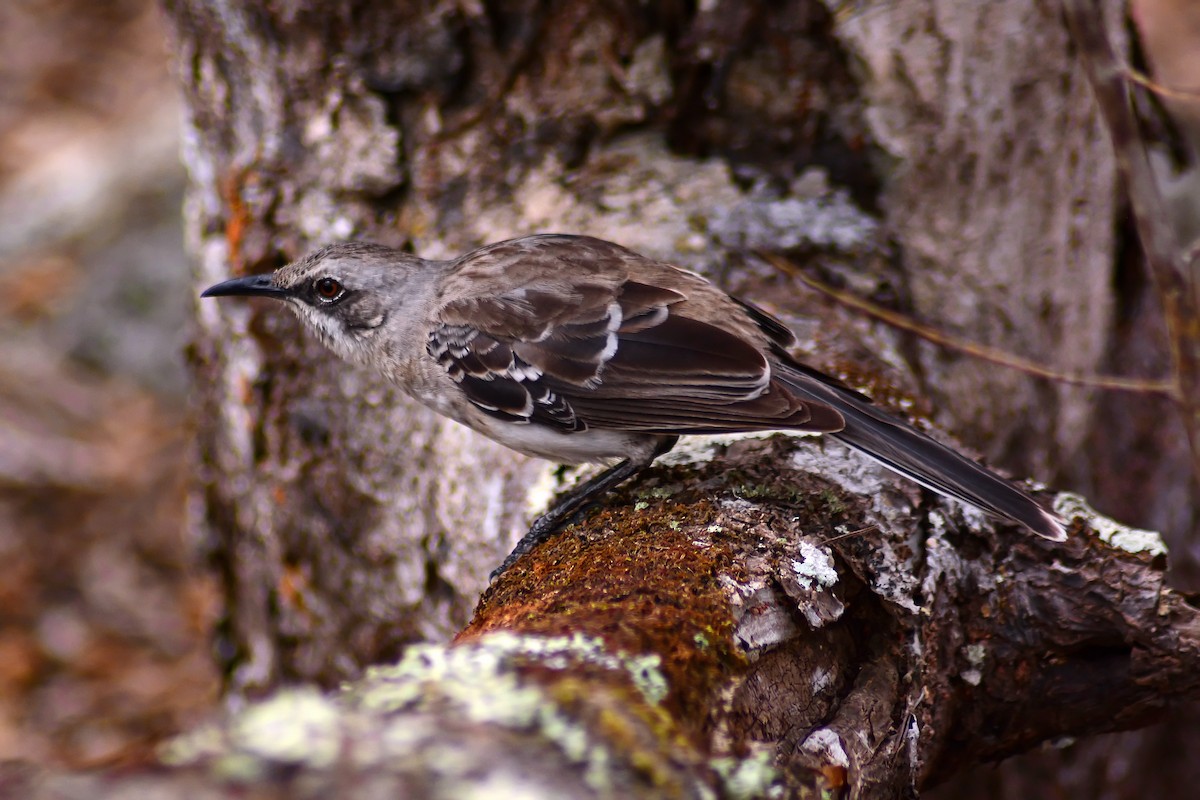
x: 328, y: 289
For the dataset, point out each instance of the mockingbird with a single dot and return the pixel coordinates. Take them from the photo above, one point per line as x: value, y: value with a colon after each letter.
x: 577, y: 350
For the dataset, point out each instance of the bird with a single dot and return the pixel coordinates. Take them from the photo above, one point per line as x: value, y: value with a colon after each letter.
x: 575, y: 349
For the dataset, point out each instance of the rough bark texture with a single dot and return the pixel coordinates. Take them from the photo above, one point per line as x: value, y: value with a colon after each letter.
x: 1006, y: 240
x: 931, y: 156
x: 696, y: 638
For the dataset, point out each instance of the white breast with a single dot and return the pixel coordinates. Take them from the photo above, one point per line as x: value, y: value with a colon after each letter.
x: 565, y: 448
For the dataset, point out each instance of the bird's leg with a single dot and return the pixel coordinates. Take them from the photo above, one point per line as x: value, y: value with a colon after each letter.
x: 545, y: 526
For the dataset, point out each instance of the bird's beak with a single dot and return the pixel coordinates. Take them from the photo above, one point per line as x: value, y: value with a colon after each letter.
x: 249, y: 286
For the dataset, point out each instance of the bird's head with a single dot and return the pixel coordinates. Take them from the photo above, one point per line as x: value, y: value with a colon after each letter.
x: 345, y: 293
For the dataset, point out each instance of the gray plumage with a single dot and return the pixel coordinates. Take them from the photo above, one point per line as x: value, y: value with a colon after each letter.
x: 575, y: 349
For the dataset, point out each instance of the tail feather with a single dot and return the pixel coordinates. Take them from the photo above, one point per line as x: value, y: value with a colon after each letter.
x: 909, y: 452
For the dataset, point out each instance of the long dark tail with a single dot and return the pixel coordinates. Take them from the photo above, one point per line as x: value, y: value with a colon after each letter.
x: 902, y: 448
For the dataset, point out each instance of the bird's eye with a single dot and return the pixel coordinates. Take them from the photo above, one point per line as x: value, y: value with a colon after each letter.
x: 328, y: 289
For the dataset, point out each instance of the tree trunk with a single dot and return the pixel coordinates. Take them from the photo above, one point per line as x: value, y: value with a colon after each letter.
x: 908, y: 150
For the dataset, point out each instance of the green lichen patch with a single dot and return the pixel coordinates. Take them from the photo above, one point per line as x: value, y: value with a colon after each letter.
x: 483, y: 682
x: 500, y: 653
x: 295, y: 727
x: 543, y: 689
x: 752, y: 777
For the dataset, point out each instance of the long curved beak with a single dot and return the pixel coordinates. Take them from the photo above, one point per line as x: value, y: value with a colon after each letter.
x: 249, y: 286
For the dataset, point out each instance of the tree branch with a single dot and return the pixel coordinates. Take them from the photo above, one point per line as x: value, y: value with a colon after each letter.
x: 699, y: 627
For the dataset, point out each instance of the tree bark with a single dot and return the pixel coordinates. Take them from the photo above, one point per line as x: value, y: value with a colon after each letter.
x: 904, y: 149
x: 695, y: 638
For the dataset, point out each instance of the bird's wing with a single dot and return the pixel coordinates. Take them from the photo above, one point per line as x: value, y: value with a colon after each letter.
x: 571, y: 346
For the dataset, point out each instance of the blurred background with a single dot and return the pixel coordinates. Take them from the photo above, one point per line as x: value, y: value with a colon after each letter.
x: 104, y: 610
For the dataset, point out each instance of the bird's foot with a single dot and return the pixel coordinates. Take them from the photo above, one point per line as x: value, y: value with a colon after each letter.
x: 542, y: 529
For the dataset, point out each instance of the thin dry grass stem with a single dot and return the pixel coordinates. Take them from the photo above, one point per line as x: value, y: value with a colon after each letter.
x: 850, y: 534
x: 1148, y: 83
x: 973, y: 349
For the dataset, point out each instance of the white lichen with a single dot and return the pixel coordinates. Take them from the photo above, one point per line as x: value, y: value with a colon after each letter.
x: 815, y: 566
x: 761, y: 220
x: 1132, y: 540
x: 855, y: 474
x: 826, y: 746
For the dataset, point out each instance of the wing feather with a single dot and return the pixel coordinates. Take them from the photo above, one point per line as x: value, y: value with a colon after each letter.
x: 571, y: 346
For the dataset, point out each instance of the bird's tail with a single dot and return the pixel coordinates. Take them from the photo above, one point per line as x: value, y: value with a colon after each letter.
x: 914, y: 455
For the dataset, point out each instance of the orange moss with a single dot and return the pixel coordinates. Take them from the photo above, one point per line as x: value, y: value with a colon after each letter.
x: 239, y: 214
x: 637, y: 579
